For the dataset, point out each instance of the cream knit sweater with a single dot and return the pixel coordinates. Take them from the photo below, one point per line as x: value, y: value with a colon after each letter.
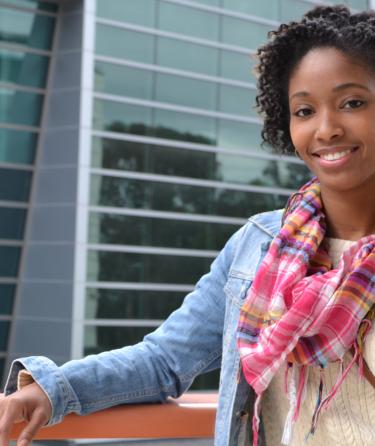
x: 348, y: 421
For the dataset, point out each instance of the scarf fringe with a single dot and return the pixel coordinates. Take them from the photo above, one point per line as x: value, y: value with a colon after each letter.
x: 256, y: 420
x: 296, y: 397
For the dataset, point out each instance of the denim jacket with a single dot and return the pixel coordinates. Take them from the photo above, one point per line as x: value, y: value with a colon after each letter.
x: 198, y: 337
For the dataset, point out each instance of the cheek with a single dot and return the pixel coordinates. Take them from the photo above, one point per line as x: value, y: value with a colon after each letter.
x: 298, y: 136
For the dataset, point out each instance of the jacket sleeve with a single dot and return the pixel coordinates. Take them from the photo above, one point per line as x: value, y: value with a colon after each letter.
x: 164, y: 364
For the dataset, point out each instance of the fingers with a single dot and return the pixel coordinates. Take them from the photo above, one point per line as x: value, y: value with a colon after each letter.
x: 38, y: 419
x: 11, y: 413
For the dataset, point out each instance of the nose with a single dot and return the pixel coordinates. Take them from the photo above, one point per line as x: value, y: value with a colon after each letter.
x: 329, y: 127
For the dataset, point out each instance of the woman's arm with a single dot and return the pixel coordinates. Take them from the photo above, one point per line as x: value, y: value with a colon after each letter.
x: 164, y: 364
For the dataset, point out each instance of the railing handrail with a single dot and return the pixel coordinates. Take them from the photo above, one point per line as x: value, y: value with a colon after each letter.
x: 190, y: 416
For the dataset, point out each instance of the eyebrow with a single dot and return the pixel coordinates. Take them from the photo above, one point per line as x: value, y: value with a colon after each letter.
x: 334, y: 89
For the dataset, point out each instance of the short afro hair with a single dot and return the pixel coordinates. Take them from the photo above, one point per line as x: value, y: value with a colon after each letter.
x: 323, y: 26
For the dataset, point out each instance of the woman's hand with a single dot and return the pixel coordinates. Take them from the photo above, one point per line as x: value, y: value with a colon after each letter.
x: 30, y: 404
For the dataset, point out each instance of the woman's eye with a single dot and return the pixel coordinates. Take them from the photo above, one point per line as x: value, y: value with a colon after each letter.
x: 303, y: 112
x: 353, y: 103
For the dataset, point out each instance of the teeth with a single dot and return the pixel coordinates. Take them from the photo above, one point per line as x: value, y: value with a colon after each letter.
x: 335, y: 156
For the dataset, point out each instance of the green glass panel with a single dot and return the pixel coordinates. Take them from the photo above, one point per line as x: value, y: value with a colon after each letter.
x: 9, y: 260
x: 243, y: 33
x: 126, y: 118
x: 4, y: 334
x: 188, y: 92
x: 99, y: 339
x: 17, y: 146
x: 293, y: 9
x: 124, y: 44
x: 26, y: 28
x: 139, y: 194
x: 127, y: 230
x: 236, y: 100
x: 131, y: 304
x: 14, y: 184
x: 119, y: 117
x: 139, y: 157
x: 186, y: 126
x: 19, y: 107
x: 239, y: 135
x: 267, y: 9
x: 33, y: 4
x: 140, y: 12
x: 12, y: 222
x: 7, y: 297
x: 210, y: 2
x: 237, y: 66
x: 187, y: 56
x: 189, y: 21
x: 155, y: 268
x: 123, y: 81
x: 16, y: 66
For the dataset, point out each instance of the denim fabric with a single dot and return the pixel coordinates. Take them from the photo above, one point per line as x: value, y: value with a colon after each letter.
x: 197, y: 338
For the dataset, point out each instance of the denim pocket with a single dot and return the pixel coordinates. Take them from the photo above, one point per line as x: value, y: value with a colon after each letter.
x: 236, y: 290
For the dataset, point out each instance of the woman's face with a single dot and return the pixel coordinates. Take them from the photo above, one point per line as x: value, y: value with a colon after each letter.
x: 332, y: 124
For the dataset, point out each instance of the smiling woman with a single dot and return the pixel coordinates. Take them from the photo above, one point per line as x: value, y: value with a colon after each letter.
x: 289, y: 303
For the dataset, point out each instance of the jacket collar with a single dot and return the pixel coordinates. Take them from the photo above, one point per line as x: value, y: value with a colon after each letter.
x: 269, y: 222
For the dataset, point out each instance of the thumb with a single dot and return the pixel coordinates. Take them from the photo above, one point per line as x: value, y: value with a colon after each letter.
x: 37, y: 420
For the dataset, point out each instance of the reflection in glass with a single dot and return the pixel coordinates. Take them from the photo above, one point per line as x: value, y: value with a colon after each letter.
x: 17, y: 146
x: 136, y: 119
x: 239, y: 135
x: 179, y: 19
x: 124, y: 44
x: 155, y: 268
x: 16, y: 66
x: 6, y: 301
x: 140, y: 194
x: 141, y: 157
x: 19, y: 107
x: 9, y: 259
x: 123, y: 81
x: 14, y: 184
x: 131, y: 304
x: 140, y: 12
x: 184, y: 91
x: 145, y: 231
x: 12, y: 223
x: 26, y: 28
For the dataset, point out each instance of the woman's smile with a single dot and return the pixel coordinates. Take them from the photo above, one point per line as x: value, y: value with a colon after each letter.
x: 332, y: 115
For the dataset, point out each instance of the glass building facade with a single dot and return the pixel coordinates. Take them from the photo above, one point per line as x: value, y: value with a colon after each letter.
x: 129, y: 153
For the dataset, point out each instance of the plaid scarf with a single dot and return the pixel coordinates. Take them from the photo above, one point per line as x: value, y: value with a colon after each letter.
x: 302, y: 313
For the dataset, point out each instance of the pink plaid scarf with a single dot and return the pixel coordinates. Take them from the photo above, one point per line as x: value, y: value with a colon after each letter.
x: 301, y: 312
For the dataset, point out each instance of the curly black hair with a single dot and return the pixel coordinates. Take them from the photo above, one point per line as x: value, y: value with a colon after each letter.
x: 323, y: 26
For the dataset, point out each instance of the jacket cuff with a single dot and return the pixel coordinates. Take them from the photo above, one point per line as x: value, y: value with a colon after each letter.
x: 50, y: 379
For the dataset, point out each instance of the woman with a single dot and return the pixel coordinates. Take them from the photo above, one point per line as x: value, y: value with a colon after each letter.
x: 291, y: 291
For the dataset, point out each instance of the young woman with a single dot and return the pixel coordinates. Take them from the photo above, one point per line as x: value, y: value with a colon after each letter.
x: 287, y: 308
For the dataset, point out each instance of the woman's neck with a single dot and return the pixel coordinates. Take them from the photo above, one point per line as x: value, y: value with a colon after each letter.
x: 350, y: 217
